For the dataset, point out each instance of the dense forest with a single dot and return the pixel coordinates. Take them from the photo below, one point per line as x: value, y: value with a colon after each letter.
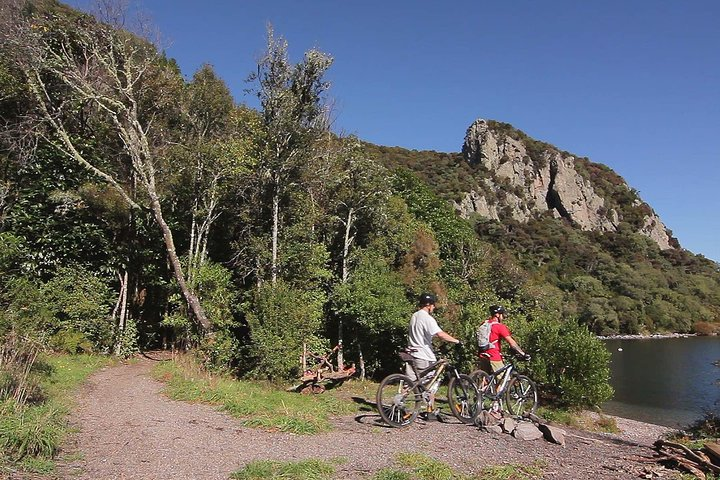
x: 140, y: 209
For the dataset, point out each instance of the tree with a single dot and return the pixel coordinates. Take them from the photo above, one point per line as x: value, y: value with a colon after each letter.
x: 360, y: 191
x: 81, y: 71
x: 294, y: 117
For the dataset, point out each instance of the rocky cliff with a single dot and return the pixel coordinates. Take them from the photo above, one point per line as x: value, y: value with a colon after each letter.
x: 525, y: 178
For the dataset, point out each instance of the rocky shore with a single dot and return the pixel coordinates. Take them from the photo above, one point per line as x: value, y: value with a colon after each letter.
x: 653, y: 336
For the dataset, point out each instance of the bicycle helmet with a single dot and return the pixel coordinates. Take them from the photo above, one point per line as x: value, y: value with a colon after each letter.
x: 426, y: 299
x: 495, y: 309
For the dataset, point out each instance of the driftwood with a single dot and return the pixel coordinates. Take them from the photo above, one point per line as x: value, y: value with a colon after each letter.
x: 694, y: 462
x: 713, y: 450
x: 315, y: 378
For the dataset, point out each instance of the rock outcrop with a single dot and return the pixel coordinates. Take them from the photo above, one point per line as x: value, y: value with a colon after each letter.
x: 528, y: 178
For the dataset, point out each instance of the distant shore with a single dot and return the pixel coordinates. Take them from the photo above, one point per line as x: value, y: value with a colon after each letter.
x: 646, y: 337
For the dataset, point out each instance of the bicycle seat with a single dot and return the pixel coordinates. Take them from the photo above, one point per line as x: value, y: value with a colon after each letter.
x: 406, y: 355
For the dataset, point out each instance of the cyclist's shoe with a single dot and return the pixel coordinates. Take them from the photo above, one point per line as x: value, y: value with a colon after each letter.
x: 431, y: 416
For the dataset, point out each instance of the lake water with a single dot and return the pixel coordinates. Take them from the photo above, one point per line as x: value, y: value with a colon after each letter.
x: 669, y: 381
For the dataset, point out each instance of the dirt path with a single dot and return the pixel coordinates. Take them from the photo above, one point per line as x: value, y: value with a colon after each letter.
x: 129, y: 430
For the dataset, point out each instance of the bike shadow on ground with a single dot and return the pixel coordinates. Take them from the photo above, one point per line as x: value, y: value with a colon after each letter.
x: 371, y: 419
x: 365, y: 404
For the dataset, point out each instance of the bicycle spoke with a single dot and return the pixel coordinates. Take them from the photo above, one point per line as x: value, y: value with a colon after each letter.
x: 463, y: 398
x: 397, y: 403
x: 521, y: 396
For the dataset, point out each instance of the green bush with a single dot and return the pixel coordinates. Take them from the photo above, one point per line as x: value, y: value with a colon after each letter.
x: 281, y: 319
x: 569, y: 362
x: 70, y: 341
x: 219, y: 298
x: 127, y: 343
x: 375, y: 312
x: 81, y: 302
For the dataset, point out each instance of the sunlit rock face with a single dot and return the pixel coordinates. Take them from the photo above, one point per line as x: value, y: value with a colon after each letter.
x: 524, y: 183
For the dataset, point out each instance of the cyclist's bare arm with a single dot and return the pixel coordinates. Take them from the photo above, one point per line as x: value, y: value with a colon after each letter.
x: 447, y: 337
x: 511, y: 341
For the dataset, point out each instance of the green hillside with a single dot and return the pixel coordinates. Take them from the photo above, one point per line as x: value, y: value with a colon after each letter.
x: 614, y: 282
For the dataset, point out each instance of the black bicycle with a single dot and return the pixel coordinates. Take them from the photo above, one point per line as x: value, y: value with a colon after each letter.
x: 506, y: 390
x: 400, y: 398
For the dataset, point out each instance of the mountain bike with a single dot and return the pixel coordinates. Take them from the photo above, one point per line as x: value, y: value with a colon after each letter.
x: 505, y: 390
x: 399, y: 398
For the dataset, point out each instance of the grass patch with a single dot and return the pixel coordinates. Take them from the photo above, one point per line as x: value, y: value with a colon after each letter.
x: 268, y: 469
x: 581, y: 420
x: 31, y: 434
x: 424, y: 467
x: 513, y: 471
x: 257, y: 404
x: 417, y: 466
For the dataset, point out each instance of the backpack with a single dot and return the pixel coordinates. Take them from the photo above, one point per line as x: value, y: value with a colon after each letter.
x: 483, y: 336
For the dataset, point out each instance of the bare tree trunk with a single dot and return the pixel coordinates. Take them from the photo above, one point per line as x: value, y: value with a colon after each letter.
x: 346, y: 245
x: 362, y: 362
x: 275, y: 228
x: 345, y: 274
x: 122, y: 303
x: 193, y: 239
x: 189, y: 295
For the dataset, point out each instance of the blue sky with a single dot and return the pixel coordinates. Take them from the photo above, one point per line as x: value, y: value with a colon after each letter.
x: 631, y: 84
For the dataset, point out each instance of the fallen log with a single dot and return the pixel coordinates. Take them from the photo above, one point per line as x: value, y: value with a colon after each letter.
x: 686, y: 458
x: 713, y: 451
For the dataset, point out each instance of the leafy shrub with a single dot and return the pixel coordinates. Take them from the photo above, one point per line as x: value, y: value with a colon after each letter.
x: 70, y: 341
x: 213, y: 284
x: 80, y: 302
x: 374, y: 310
x: 281, y: 318
x: 220, y: 301
x: 571, y: 364
x: 127, y: 343
x: 26, y: 310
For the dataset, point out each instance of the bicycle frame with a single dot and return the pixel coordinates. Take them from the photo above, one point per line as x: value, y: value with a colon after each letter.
x: 400, y: 397
x: 440, y: 366
x: 505, y: 373
x: 504, y: 389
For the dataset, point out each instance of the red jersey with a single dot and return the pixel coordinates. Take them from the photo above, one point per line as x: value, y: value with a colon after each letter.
x: 498, y: 331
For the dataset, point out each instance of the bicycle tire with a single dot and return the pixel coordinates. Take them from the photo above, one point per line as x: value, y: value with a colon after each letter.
x: 397, y: 400
x: 486, y: 389
x: 521, y: 396
x: 463, y: 398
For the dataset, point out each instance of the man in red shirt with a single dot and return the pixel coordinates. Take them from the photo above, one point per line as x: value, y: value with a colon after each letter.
x: 491, y: 359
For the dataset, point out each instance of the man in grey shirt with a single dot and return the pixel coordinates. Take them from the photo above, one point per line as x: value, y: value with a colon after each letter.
x: 423, y: 327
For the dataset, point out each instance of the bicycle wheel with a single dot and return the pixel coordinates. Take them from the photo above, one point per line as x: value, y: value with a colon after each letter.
x: 521, y: 396
x: 397, y: 402
x: 486, y: 391
x: 463, y: 398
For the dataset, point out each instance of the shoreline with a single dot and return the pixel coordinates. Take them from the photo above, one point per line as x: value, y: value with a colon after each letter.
x: 654, y: 336
x: 637, y: 430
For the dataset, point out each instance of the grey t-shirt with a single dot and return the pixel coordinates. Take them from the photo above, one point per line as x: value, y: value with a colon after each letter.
x: 423, y: 327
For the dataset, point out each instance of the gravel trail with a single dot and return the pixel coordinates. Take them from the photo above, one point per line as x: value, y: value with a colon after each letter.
x: 127, y: 429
